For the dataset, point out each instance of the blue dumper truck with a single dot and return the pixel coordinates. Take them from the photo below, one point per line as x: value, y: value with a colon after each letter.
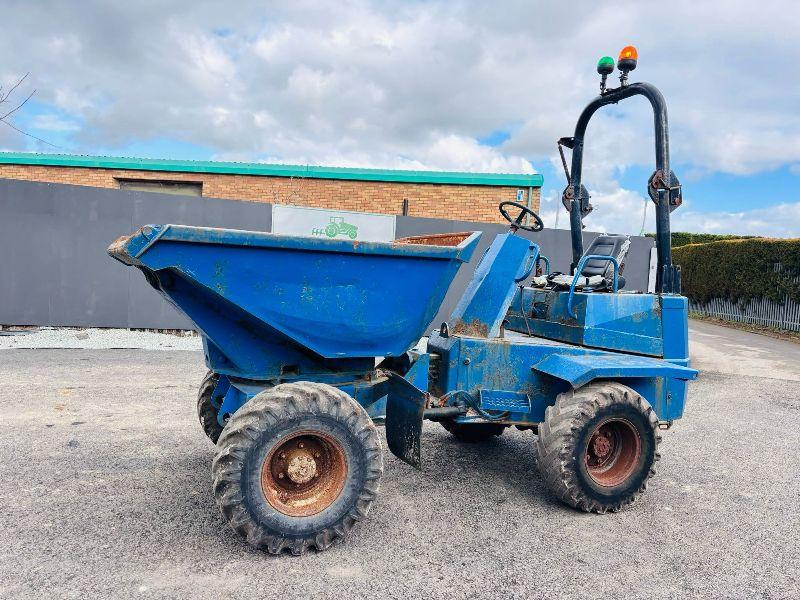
x: 311, y: 341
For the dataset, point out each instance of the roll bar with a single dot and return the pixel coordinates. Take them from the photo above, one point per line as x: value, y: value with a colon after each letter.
x: 664, y: 187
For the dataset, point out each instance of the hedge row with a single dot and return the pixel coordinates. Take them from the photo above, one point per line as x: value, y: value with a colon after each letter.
x: 682, y: 238
x: 740, y: 270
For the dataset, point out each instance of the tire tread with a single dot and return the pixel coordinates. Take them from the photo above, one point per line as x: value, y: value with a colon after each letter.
x: 265, y: 410
x: 555, y: 443
x: 205, y: 410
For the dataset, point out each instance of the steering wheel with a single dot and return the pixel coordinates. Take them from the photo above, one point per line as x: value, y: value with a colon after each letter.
x: 523, y: 210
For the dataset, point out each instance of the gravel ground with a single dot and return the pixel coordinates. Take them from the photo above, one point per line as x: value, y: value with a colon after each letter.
x: 98, y: 339
x: 107, y: 494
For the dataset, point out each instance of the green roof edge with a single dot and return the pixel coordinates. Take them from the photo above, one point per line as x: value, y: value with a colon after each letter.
x: 272, y: 170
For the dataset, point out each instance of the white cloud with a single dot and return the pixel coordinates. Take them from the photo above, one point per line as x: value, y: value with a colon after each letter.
x: 388, y: 74
x: 615, y: 211
x: 782, y: 220
x: 51, y: 122
x: 413, y: 85
x: 624, y: 211
x: 439, y: 153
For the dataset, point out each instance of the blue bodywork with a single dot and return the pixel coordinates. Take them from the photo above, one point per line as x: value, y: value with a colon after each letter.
x: 267, y: 304
x: 273, y: 309
x: 624, y: 322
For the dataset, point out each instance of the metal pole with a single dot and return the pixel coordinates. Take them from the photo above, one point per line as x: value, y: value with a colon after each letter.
x: 529, y: 203
x: 665, y: 278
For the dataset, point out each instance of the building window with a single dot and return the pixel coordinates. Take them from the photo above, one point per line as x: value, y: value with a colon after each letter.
x: 180, y: 188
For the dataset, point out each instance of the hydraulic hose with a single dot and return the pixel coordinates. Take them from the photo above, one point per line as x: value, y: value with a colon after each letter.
x: 470, y: 401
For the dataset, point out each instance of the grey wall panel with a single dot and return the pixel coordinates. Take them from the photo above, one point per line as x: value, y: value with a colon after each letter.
x: 18, y: 220
x: 49, y: 274
x: 86, y: 291
x: 54, y: 269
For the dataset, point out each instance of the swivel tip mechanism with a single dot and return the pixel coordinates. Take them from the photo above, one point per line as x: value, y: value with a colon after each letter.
x: 626, y: 63
x: 605, y: 66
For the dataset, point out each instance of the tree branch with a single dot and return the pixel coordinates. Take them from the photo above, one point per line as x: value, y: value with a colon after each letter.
x: 11, y: 91
x: 30, y: 135
x: 3, y: 119
x: 20, y: 105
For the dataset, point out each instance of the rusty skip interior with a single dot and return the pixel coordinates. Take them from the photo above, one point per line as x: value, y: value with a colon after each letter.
x: 435, y: 239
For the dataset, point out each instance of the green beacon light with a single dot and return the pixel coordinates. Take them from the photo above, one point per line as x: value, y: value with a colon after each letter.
x: 605, y: 66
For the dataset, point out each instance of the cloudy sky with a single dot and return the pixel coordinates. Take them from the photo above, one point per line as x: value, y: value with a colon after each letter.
x: 456, y: 85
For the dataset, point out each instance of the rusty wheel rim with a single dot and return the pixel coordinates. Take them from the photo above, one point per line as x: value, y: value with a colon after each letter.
x: 304, y: 474
x: 613, y: 451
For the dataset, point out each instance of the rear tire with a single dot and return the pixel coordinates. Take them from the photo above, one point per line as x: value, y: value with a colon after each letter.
x: 297, y: 467
x: 597, y: 446
x: 473, y: 433
x: 205, y: 409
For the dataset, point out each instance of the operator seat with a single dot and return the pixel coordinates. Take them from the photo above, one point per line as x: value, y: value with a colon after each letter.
x: 596, y: 274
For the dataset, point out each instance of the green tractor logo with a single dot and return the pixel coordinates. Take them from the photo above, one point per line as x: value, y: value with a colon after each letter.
x: 337, y: 227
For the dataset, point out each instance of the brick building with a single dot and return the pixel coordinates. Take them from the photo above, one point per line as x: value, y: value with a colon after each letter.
x: 463, y: 196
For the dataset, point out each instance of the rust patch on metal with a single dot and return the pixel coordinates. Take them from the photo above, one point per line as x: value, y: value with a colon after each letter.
x: 302, y: 468
x: 437, y: 239
x: 434, y: 375
x: 118, y: 243
x: 474, y: 328
x: 304, y: 474
x: 613, y: 451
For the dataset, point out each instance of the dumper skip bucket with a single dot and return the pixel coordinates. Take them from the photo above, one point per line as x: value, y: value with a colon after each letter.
x: 336, y: 298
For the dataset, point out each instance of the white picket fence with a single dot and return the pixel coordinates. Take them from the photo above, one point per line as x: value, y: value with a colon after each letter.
x: 758, y: 311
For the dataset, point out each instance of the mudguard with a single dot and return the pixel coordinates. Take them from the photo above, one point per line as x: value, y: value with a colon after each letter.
x: 405, y: 408
x: 578, y: 370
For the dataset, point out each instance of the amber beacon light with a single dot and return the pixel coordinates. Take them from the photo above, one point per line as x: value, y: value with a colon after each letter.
x: 627, y: 59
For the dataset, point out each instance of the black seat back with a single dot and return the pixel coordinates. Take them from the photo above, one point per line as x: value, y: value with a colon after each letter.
x: 606, y: 245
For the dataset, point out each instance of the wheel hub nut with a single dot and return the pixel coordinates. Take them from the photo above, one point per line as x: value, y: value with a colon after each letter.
x: 602, y: 446
x: 302, y: 468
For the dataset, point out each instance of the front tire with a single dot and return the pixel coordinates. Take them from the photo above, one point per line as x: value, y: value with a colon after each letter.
x: 597, y: 446
x: 297, y: 467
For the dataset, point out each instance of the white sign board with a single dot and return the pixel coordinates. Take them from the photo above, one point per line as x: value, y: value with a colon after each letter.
x: 332, y: 224
x: 651, y: 275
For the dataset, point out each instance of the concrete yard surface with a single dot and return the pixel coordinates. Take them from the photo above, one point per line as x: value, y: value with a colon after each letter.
x: 107, y: 493
x: 728, y: 350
